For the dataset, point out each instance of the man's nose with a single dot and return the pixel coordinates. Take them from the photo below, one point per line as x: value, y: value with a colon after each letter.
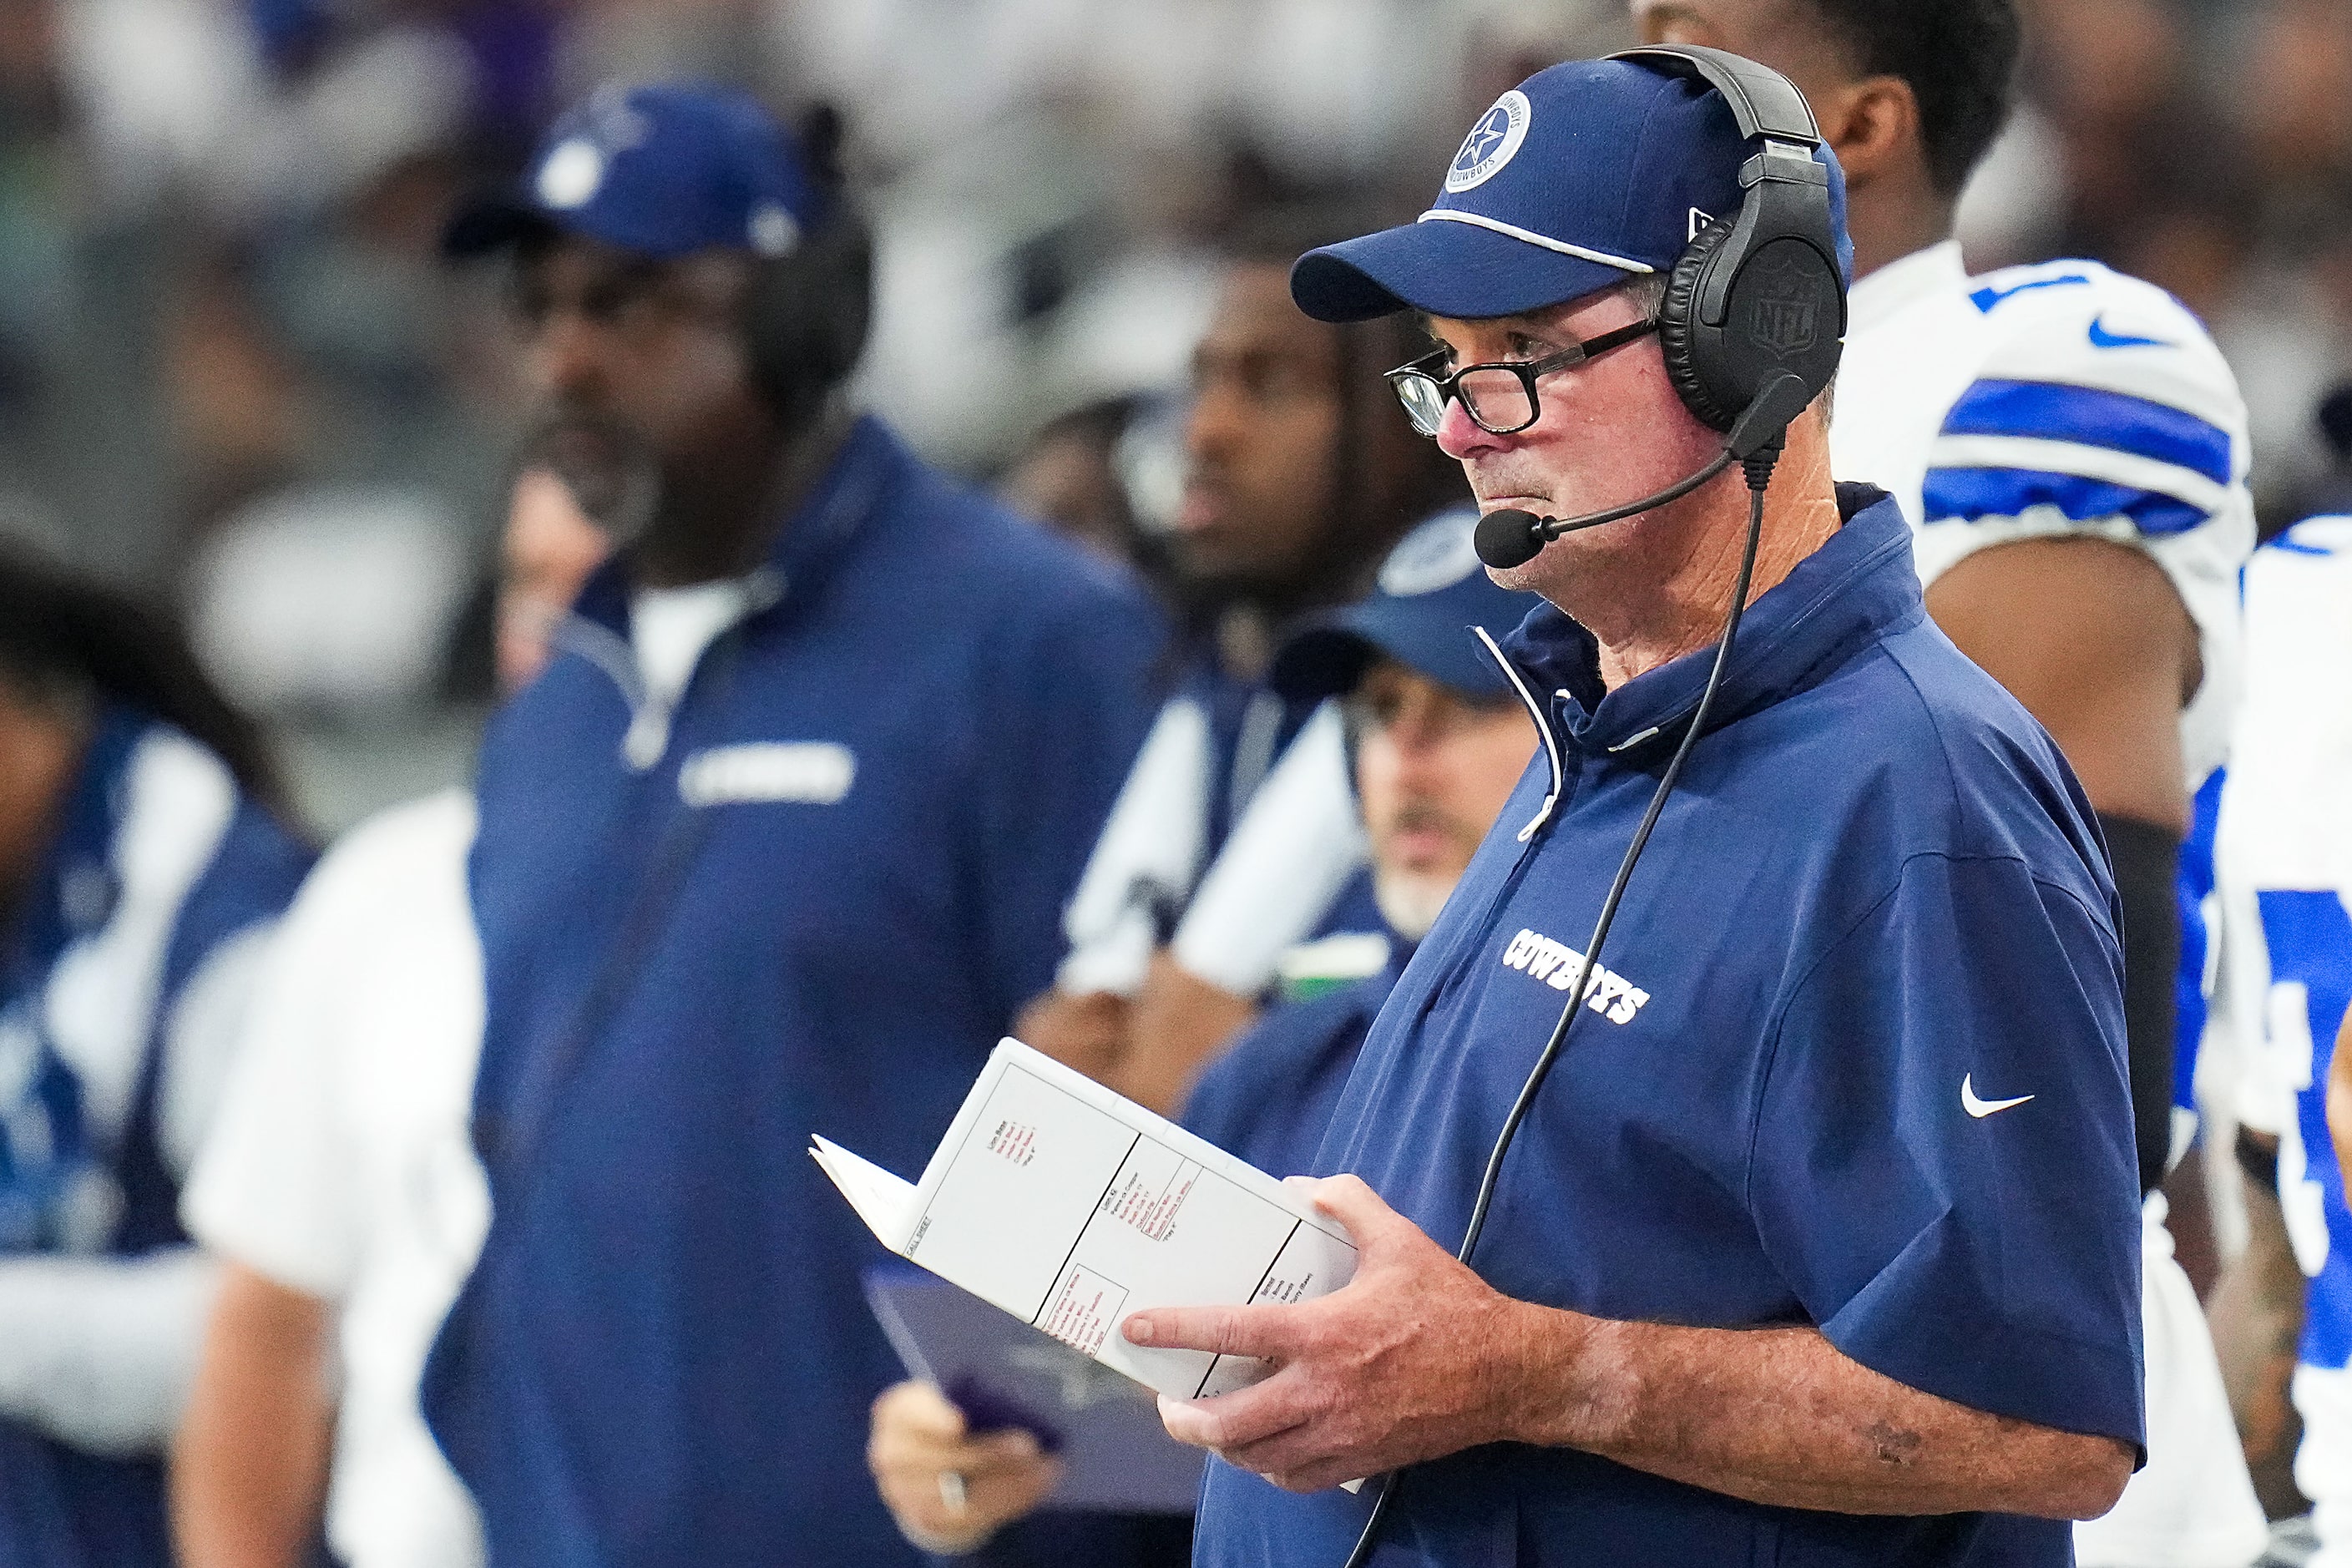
x: 1461, y: 438
x: 1213, y: 424
x: 569, y: 356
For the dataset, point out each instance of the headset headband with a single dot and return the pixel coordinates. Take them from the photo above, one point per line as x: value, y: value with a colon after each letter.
x: 1763, y: 101
x: 1759, y: 296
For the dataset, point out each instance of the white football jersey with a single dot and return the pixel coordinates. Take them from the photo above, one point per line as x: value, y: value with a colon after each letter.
x: 2283, y: 871
x: 2283, y: 865
x: 2060, y: 398
x: 2064, y: 398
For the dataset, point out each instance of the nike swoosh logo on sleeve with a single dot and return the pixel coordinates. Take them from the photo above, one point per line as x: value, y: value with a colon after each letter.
x: 1985, y: 299
x: 2103, y: 339
x: 1980, y: 1109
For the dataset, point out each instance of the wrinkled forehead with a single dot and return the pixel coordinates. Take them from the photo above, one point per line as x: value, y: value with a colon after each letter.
x: 1566, y: 322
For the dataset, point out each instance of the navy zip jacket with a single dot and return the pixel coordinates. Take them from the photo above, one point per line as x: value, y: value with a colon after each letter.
x: 1855, y: 1058
x: 814, y: 911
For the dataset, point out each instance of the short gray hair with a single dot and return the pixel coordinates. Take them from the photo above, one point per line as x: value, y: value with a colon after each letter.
x: 1646, y: 289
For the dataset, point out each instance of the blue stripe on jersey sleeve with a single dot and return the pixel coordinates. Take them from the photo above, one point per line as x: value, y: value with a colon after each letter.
x: 2093, y: 417
x: 1967, y: 494
x: 2310, y: 944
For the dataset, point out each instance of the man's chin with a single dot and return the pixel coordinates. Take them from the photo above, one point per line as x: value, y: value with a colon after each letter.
x: 1410, y: 901
x: 1214, y: 567
x: 612, y: 471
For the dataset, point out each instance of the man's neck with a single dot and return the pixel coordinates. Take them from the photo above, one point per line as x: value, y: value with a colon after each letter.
x: 1884, y: 232
x: 1681, y: 611
x: 720, y: 529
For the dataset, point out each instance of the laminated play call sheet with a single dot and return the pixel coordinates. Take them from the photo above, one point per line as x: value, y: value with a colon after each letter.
x: 1070, y: 1207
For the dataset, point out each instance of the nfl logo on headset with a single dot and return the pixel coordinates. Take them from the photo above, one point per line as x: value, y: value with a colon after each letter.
x: 1785, y: 318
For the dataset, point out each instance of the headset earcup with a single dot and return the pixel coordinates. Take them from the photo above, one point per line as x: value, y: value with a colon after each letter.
x: 806, y: 315
x: 1678, y: 333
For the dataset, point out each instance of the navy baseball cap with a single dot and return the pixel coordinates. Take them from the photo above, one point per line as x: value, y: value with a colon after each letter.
x: 1582, y: 176
x: 1431, y: 592
x: 664, y: 170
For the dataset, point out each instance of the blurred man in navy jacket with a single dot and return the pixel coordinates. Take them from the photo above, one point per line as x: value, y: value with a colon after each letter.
x: 777, y: 844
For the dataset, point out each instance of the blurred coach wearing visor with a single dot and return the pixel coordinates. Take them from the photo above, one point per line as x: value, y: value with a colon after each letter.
x: 1821, y: 1244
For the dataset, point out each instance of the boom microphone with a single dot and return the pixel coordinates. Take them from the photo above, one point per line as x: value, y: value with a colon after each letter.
x: 1510, y: 537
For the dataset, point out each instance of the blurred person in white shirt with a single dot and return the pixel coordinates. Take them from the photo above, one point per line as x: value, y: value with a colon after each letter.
x: 339, y: 1187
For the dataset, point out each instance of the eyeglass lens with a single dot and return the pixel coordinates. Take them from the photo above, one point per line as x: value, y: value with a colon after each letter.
x: 1497, y: 399
x: 1424, y: 402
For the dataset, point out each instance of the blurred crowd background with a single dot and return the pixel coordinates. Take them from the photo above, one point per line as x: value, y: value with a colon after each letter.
x: 233, y: 369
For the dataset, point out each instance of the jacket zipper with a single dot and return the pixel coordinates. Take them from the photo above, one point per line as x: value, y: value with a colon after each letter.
x: 1543, y: 728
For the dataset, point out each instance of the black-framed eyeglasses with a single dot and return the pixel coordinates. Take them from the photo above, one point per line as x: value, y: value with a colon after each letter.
x: 1500, y: 397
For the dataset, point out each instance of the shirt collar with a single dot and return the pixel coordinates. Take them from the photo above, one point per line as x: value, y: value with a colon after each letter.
x: 811, y: 543
x: 1859, y: 586
x: 1934, y: 270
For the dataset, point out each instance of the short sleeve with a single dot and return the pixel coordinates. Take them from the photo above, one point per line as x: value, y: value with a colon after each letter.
x: 1151, y: 848
x: 2101, y: 405
x: 1943, y: 1165
x: 272, y: 1187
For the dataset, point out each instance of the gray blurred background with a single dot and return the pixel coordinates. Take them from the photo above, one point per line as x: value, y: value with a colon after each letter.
x: 232, y: 371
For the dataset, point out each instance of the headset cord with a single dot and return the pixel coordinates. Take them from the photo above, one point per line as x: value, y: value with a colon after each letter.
x: 1758, y: 470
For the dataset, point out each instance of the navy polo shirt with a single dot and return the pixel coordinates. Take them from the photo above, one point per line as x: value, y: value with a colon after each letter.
x: 815, y: 912
x: 1877, y: 899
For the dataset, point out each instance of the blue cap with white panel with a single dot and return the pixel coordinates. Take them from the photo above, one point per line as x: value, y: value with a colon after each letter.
x: 1431, y: 593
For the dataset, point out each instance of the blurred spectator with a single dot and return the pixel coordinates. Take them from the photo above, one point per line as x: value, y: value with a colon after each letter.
x: 2330, y: 491
x: 141, y: 866
x: 777, y: 843
x: 1301, y: 473
x: 338, y: 1189
x: 1068, y: 478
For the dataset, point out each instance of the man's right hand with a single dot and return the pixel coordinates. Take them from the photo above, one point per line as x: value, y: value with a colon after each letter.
x: 948, y: 1490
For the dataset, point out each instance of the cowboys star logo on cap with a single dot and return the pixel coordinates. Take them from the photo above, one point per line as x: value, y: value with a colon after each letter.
x: 572, y: 174
x: 773, y: 230
x: 1437, y: 554
x: 1491, y: 142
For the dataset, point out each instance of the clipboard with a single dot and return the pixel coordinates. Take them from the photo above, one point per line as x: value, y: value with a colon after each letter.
x: 1001, y: 1372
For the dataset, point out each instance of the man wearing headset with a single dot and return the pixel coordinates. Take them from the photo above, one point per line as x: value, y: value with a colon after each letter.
x: 777, y: 843
x: 1821, y: 1244
x: 2072, y: 450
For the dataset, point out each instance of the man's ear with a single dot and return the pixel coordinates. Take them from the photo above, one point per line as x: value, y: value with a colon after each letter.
x: 1872, y: 126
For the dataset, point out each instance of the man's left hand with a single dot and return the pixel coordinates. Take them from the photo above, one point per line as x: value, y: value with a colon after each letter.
x: 1415, y: 1358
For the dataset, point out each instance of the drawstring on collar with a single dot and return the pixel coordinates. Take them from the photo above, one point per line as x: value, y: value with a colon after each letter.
x: 1543, y: 728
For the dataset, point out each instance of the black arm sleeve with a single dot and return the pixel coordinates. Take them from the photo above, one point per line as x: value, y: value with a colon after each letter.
x: 2146, y: 863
